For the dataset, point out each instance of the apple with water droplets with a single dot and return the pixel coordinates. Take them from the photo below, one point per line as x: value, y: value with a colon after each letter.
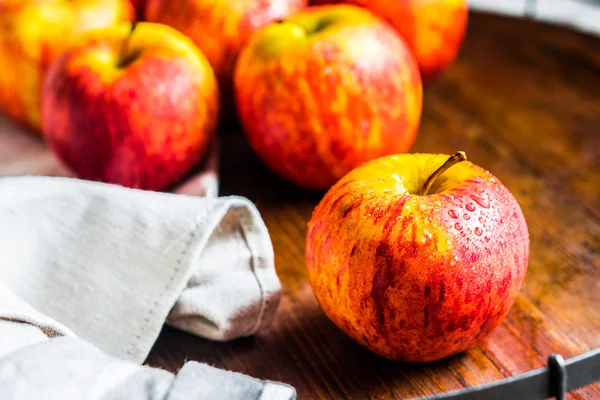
x: 417, y: 256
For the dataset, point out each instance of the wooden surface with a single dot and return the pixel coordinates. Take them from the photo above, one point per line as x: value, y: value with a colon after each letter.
x: 523, y: 101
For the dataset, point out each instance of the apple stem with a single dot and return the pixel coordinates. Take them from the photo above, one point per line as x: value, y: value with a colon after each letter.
x: 122, y: 61
x: 454, y: 159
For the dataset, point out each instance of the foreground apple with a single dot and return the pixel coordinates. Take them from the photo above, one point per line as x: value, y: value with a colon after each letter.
x: 220, y: 28
x: 433, y: 29
x: 415, y: 260
x: 132, y: 107
x: 325, y: 90
x: 32, y: 34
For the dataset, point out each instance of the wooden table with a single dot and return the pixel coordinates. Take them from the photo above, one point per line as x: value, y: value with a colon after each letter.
x: 523, y: 101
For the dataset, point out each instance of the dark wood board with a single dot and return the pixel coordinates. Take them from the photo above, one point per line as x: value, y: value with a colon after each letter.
x: 523, y: 100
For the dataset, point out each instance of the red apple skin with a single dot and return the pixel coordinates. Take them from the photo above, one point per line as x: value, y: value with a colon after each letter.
x: 433, y: 29
x: 220, y: 28
x: 136, y: 109
x: 33, y: 33
x: 411, y: 277
x: 139, y: 6
x: 326, y: 90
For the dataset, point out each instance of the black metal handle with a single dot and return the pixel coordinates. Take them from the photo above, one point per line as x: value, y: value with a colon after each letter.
x: 541, y: 384
x: 558, y: 375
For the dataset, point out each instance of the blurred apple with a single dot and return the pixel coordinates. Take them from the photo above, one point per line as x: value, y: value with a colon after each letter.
x: 220, y: 28
x: 139, y: 6
x: 433, y: 29
x: 132, y: 107
x: 32, y: 34
x: 325, y: 90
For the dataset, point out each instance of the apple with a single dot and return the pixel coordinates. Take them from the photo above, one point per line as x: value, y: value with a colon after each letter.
x: 417, y: 256
x: 139, y: 6
x: 33, y: 34
x: 325, y: 90
x: 433, y: 29
x: 135, y: 107
x: 220, y: 28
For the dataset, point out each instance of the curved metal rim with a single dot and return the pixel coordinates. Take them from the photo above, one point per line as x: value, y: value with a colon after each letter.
x: 553, y: 381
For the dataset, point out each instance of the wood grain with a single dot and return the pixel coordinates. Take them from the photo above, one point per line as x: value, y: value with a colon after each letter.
x: 523, y: 100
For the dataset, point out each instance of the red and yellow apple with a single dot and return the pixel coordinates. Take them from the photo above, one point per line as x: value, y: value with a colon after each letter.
x: 132, y: 107
x: 433, y: 29
x: 33, y: 34
x: 220, y: 28
x: 325, y: 90
x: 417, y: 259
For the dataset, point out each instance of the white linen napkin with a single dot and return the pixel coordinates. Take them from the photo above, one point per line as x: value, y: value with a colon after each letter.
x: 41, y: 359
x: 89, y: 273
x: 93, y: 256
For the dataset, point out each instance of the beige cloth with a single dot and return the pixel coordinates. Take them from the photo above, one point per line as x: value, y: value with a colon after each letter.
x: 89, y: 272
x: 40, y: 359
x: 111, y: 264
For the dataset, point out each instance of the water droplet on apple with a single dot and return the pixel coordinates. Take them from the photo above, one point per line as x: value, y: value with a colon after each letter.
x: 453, y: 214
x: 486, y: 238
x: 481, y: 219
x: 470, y: 207
x: 469, y: 231
x: 467, y: 216
x: 478, y: 231
x: 422, y: 207
x: 481, y: 201
x: 452, y: 263
x: 365, y: 124
x: 427, y: 234
x: 463, y: 234
x: 449, y: 241
x: 458, y: 226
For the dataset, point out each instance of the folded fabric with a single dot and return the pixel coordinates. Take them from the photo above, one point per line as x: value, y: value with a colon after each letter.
x: 41, y: 359
x: 112, y: 264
